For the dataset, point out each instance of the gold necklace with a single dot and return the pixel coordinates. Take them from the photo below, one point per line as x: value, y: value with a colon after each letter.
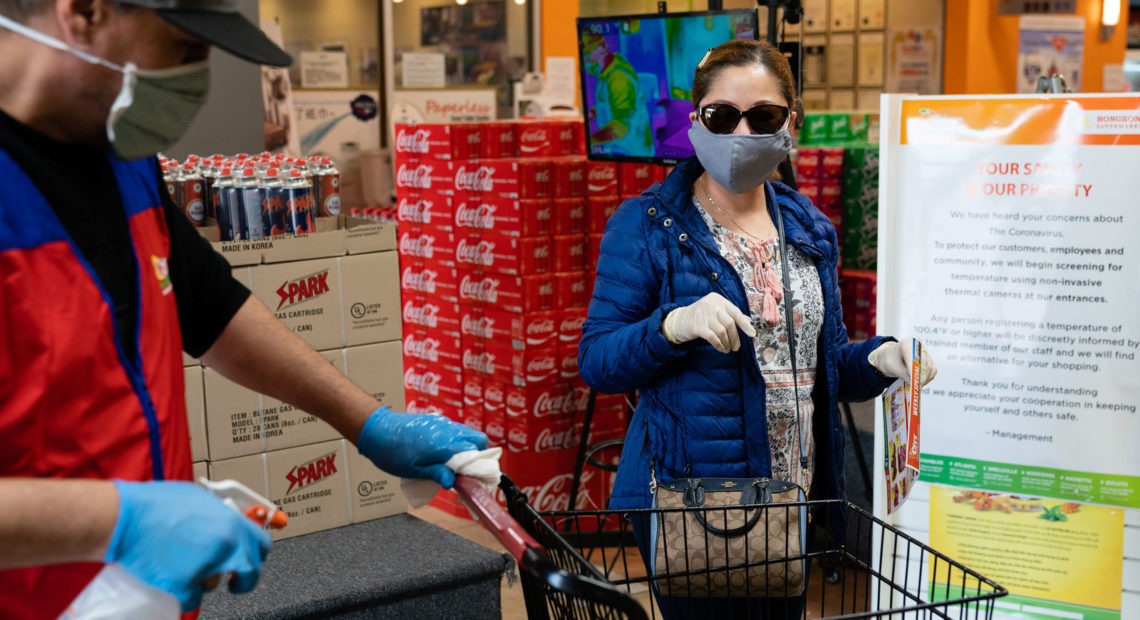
x: 708, y: 195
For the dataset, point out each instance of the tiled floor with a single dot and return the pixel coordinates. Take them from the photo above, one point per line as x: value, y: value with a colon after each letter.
x: 512, y: 596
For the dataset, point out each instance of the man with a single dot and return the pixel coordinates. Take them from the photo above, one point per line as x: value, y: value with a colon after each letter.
x: 619, y: 111
x: 103, y: 284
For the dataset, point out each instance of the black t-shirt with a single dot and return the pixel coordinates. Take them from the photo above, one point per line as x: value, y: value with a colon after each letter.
x: 79, y: 184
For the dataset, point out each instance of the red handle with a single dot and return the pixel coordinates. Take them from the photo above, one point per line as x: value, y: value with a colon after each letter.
x: 495, y: 518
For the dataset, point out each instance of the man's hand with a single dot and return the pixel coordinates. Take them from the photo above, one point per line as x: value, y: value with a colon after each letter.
x: 712, y: 318
x: 175, y: 535
x: 412, y: 445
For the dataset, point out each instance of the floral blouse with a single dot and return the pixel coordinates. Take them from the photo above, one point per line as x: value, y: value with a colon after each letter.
x: 771, y: 341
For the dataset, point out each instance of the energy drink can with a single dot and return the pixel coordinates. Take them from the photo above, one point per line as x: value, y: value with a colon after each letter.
x: 226, y: 210
x: 250, y: 221
x: 299, y: 193
x: 275, y: 206
x: 326, y: 188
x: 191, y: 197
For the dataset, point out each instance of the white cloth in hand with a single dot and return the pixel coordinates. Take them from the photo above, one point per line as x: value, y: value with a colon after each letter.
x: 483, y: 465
x: 712, y: 318
x: 892, y: 359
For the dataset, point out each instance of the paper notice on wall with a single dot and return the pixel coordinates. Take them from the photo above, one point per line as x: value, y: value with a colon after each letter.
x: 1008, y: 234
x: 324, y: 70
x: 1050, y: 45
x: 423, y: 70
x: 914, y: 63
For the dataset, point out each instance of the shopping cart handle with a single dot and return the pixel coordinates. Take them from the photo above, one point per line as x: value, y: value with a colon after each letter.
x: 496, y: 519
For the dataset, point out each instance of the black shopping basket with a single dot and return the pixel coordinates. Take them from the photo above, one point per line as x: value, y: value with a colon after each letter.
x: 585, y: 565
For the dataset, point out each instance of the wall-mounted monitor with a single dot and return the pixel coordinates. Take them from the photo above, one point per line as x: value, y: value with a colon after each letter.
x: 637, y: 79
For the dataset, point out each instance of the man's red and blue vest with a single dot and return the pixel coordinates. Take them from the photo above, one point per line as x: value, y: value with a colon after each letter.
x: 73, y: 403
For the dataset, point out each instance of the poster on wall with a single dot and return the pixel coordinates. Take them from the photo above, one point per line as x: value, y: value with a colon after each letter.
x: 343, y: 125
x: 277, y: 101
x: 1020, y: 274
x: 1050, y: 45
x: 914, y: 61
x: 1057, y: 558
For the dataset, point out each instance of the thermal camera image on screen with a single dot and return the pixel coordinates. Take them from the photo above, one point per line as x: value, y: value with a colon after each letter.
x: 637, y: 79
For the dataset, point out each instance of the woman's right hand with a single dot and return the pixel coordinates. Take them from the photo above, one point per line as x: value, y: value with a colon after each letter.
x: 712, y: 318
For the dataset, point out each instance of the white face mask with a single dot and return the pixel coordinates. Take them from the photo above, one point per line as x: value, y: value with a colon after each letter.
x: 154, y: 107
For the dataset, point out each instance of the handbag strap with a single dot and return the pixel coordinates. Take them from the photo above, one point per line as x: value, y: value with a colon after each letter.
x: 791, y: 329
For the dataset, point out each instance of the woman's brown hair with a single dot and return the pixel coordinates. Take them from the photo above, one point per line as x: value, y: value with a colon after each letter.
x: 742, y: 53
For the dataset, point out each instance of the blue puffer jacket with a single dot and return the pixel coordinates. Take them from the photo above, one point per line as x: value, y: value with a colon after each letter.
x: 698, y: 406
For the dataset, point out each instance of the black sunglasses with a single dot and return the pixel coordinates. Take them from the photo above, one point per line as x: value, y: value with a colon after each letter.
x: 723, y: 118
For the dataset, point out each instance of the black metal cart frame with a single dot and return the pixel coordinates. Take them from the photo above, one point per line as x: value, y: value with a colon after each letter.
x: 585, y: 565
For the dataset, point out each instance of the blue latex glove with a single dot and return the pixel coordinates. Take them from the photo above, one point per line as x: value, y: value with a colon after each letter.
x: 412, y: 445
x: 175, y: 535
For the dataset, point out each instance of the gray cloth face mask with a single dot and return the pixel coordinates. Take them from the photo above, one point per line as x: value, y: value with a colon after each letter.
x: 739, y: 162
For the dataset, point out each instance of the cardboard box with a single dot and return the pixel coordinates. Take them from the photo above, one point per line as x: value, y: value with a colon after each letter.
x: 196, y: 412
x: 306, y: 296
x: 370, y: 291
x: 285, y: 426
x: 201, y: 470
x: 372, y: 493
x: 189, y: 361
x: 362, y: 236
x: 233, y: 418
x: 378, y: 370
x: 308, y: 482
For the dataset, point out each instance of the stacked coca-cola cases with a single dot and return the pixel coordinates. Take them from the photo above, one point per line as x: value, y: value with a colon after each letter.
x: 498, y: 227
x: 842, y: 181
x: 253, y: 196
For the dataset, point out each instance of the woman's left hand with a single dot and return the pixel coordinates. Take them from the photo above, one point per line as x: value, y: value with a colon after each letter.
x: 892, y: 359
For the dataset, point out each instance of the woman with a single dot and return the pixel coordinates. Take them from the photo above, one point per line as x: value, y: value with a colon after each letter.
x: 692, y: 264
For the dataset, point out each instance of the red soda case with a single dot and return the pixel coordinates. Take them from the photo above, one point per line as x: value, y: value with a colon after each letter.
x: 500, y: 139
x: 601, y: 178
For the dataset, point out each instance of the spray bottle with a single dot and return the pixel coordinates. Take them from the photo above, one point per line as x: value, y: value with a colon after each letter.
x: 115, y: 593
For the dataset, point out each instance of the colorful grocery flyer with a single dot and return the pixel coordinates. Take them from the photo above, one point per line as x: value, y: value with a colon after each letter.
x: 899, y: 478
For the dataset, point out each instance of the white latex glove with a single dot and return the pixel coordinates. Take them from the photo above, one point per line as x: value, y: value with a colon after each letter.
x: 712, y: 318
x: 892, y: 359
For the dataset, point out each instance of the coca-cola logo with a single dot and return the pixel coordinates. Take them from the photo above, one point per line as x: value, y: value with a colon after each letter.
x: 422, y: 246
x: 485, y: 290
x: 542, y: 175
x: 478, y: 326
x: 494, y: 428
x: 554, y: 494
x: 549, y: 440
x: 576, y: 175
x: 418, y: 177
x: 538, y: 328
x: 564, y: 403
x: 517, y: 436
x: 481, y: 217
x: 570, y: 364
x: 534, y: 135
x: 542, y: 251
x: 423, y: 281
x: 602, y: 173
x: 516, y: 401
x: 472, y: 392
x: 426, y: 382
x: 418, y: 211
x: 483, y: 362
x: 480, y: 179
x: 572, y: 325
x: 423, y: 348
x: 426, y: 315
x: 540, y: 367
x: 481, y: 254
x: 412, y: 142
x: 493, y: 393
x: 415, y: 406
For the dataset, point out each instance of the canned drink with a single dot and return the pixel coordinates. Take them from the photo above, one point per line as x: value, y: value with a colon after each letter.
x: 251, y: 224
x: 191, y: 194
x: 326, y: 188
x: 299, y: 201
x: 170, y: 179
x: 274, y: 207
x: 226, y: 209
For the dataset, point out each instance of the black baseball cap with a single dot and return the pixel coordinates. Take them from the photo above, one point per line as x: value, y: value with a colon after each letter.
x: 220, y: 23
